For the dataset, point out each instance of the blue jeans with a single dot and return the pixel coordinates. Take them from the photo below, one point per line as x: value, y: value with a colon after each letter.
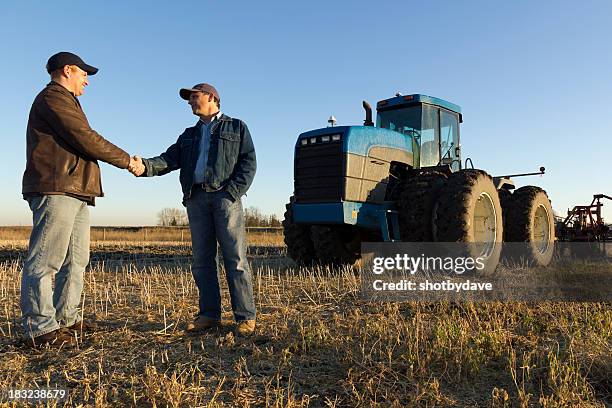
x: 216, y: 216
x: 59, y: 246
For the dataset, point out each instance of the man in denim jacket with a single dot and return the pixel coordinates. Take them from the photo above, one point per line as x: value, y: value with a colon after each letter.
x: 216, y: 158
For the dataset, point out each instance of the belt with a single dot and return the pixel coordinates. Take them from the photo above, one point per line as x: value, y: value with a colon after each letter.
x: 206, y: 187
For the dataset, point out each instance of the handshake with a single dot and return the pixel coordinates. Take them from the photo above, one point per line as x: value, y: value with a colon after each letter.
x: 136, y: 166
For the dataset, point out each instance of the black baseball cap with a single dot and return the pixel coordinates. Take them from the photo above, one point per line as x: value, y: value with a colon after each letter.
x: 61, y: 59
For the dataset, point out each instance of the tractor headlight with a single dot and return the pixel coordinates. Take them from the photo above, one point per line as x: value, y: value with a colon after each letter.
x: 325, y: 138
x: 304, y: 142
x: 335, y: 138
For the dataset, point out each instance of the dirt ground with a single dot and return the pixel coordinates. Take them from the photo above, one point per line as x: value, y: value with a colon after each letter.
x: 318, y: 342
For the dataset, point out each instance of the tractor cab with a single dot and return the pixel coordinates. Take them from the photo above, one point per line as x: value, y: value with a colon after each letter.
x: 431, y: 123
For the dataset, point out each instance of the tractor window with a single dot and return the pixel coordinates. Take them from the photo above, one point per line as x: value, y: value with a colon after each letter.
x: 449, y: 137
x: 430, y: 136
x: 405, y: 120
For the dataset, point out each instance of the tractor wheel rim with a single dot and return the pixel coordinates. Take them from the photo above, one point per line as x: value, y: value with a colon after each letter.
x: 485, y: 225
x: 541, y: 229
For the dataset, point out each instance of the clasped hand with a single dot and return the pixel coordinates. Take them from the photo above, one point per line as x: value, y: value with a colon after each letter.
x: 136, y: 166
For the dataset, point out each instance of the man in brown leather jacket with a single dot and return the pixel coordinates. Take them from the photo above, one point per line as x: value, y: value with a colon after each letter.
x: 61, y: 179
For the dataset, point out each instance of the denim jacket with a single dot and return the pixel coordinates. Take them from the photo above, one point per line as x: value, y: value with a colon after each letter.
x: 231, y: 161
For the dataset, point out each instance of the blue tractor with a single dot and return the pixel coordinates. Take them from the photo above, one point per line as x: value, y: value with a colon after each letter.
x: 403, y: 180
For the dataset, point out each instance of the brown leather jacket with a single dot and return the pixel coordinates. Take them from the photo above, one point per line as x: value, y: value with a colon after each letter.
x: 62, y: 149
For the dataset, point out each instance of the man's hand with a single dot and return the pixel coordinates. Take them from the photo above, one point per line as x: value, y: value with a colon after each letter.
x: 136, y: 167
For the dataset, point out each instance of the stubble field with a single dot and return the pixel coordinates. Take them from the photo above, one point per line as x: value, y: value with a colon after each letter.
x: 318, y: 342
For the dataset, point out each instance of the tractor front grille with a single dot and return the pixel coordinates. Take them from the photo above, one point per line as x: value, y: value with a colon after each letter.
x: 319, y: 173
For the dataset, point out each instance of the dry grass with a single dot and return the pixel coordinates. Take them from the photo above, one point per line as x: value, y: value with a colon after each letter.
x: 256, y: 236
x: 318, y: 343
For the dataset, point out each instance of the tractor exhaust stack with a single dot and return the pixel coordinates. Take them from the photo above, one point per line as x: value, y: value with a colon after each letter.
x: 368, y: 111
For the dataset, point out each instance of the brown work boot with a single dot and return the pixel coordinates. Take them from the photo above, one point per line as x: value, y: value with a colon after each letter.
x: 245, y: 328
x: 202, y: 323
x: 55, y: 339
x: 82, y: 327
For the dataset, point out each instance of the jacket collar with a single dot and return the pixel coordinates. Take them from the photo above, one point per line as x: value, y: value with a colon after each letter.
x: 60, y: 86
x: 214, y: 119
x: 65, y: 90
x: 223, y: 118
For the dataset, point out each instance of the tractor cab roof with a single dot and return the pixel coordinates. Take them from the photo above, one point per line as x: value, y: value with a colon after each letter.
x: 415, y: 99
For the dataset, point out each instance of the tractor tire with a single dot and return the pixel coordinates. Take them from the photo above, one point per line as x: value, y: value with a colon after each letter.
x: 416, y: 203
x: 505, y: 199
x: 300, y: 247
x: 530, y: 220
x: 469, y: 211
x: 336, y: 245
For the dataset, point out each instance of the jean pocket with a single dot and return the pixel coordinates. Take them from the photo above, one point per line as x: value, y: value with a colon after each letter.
x: 229, y: 196
x: 35, y: 202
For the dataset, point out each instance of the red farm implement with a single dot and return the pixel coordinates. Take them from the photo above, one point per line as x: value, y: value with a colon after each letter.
x: 584, y: 223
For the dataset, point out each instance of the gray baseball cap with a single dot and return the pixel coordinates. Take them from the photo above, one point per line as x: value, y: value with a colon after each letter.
x: 209, y: 89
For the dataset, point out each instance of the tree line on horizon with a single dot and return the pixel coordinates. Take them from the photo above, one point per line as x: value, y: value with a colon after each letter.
x: 253, y: 217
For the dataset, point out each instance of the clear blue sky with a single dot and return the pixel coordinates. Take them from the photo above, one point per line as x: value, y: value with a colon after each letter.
x: 534, y: 80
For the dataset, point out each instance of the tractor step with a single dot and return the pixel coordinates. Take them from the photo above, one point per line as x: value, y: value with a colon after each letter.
x: 389, y: 225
